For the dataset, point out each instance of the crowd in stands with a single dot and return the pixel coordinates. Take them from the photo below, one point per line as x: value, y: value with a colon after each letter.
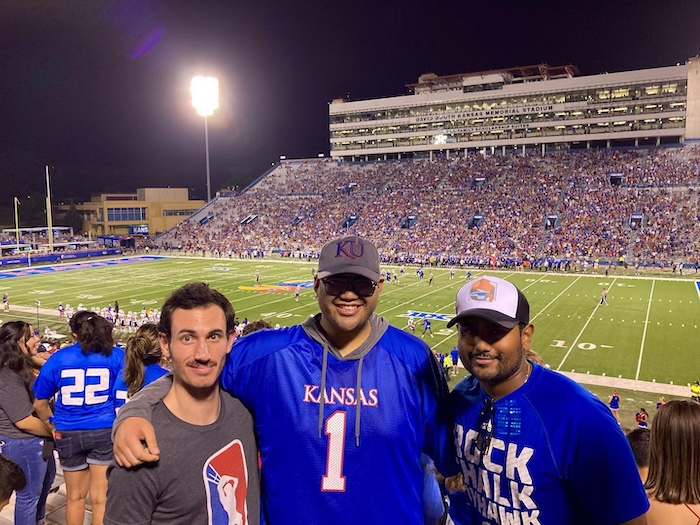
x: 591, y: 195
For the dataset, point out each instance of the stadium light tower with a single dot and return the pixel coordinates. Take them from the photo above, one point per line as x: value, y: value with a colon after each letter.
x: 205, y: 99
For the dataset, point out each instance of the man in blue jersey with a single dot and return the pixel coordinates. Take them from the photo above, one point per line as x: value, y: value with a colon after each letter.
x: 343, y: 405
x: 533, y: 446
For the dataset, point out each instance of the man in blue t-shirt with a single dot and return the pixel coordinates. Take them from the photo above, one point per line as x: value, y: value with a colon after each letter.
x: 343, y: 405
x: 533, y: 446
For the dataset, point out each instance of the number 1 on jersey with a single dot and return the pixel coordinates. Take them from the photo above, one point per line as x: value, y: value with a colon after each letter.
x: 333, y: 480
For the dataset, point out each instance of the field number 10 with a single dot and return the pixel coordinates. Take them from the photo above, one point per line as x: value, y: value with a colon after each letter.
x: 558, y: 343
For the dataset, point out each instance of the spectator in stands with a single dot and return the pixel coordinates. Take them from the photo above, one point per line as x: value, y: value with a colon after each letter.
x: 143, y: 363
x: 208, y: 470
x: 23, y: 436
x: 11, y: 479
x: 345, y: 349
x: 639, y: 441
x: 29, y: 342
x: 510, y: 404
x: 84, y: 413
x: 254, y: 326
x: 673, y: 483
x: 293, y: 207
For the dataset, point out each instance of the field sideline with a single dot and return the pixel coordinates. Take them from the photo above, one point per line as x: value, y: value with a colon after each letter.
x: 644, y: 340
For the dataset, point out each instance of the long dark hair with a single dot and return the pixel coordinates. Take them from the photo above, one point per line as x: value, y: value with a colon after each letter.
x: 142, y: 348
x: 93, y: 333
x: 11, y: 354
x: 16, y: 331
x: 674, y: 453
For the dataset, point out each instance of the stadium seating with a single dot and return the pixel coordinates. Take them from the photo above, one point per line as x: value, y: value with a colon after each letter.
x: 593, y: 194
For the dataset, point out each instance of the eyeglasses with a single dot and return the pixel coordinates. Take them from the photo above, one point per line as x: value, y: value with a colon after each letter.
x: 361, y: 286
x: 486, y: 427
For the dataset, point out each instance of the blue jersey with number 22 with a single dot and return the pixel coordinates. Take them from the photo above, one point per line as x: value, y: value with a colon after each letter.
x: 84, y: 385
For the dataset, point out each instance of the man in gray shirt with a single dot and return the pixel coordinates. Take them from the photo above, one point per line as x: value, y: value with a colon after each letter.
x: 208, y: 467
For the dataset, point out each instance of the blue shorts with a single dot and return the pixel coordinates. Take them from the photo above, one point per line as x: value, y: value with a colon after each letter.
x: 79, y: 448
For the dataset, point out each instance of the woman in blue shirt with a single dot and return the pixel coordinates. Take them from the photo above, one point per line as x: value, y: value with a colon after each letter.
x: 143, y: 358
x: 83, y: 375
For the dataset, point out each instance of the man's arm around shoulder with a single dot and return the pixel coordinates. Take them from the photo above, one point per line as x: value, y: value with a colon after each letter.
x: 133, y: 434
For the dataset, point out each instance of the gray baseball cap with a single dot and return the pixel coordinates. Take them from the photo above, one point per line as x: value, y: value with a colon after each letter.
x: 351, y: 254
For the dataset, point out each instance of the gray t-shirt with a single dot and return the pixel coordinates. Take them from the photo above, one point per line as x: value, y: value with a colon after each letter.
x: 15, y: 404
x: 205, y: 475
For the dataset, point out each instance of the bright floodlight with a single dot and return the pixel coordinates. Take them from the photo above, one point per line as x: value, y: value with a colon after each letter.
x: 205, y: 99
x: 205, y: 95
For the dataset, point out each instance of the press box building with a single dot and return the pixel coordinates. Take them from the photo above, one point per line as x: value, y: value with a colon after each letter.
x: 538, y: 108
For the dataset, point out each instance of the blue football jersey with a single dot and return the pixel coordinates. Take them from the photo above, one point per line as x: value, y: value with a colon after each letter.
x: 335, y: 468
x: 556, y: 456
x: 84, y: 383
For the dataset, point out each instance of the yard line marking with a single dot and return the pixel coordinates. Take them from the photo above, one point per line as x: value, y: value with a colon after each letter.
x: 426, y: 294
x: 555, y: 299
x: 590, y: 317
x: 644, y: 332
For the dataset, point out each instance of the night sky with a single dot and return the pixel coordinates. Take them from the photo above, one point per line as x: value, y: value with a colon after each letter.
x: 99, y: 90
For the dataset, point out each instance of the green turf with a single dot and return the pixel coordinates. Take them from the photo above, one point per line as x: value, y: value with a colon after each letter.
x: 648, y: 332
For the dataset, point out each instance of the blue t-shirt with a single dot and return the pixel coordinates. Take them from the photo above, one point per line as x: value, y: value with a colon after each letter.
x: 314, y: 472
x: 84, y: 383
x: 150, y: 373
x: 557, y: 457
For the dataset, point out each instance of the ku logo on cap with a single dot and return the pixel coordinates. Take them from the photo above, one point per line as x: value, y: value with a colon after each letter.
x: 483, y: 290
x: 350, y: 249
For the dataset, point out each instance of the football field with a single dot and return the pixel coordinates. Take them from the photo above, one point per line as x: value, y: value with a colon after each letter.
x: 648, y: 332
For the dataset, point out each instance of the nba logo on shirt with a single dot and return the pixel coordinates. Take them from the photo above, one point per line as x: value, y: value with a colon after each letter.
x: 226, y: 481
